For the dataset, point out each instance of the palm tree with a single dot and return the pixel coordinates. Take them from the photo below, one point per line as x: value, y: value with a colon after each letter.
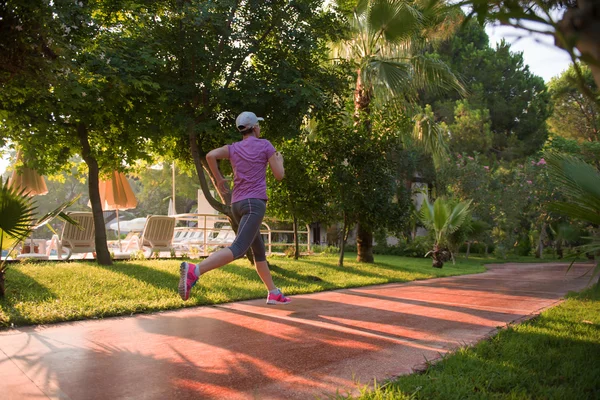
x: 17, y: 221
x: 387, y: 47
x: 579, y: 182
x: 444, y: 217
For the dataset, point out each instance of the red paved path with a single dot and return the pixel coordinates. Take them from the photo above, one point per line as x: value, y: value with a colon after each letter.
x: 320, y: 343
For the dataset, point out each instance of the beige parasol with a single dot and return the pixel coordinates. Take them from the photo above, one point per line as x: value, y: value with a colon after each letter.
x: 28, y: 179
x: 116, y: 194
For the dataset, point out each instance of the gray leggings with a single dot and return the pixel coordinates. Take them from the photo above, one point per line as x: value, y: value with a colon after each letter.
x: 249, y: 214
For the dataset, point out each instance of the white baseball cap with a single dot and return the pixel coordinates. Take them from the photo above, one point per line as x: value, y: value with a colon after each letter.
x: 247, y: 120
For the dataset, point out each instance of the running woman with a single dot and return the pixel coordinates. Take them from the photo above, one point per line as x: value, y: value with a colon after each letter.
x: 249, y: 158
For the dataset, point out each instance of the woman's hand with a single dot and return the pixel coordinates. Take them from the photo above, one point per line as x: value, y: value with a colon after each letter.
x: 276, y: 164
x: 223, y: 185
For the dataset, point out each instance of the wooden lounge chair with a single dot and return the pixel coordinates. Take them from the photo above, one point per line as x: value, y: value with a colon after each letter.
x: 75, y: 239
x: 156, y: 236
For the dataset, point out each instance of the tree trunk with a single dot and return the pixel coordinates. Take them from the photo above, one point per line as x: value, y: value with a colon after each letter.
x: 102, y: 253
x: 468, y: 250
x: 581, y: 26
x: 559, y: 248
x: 541, y: 241
x: 199, y: 163
x: 2, y: 282
x: 436, y: 257
x: 364, y: 244
x: 362, y: 110
x: 343, y: 244
x: 296, y: 245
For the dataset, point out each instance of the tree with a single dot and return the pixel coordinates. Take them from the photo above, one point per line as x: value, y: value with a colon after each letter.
x: 444, y: 217
x: 574, y: 24
x: 301, y: 196
x: 386, y: 46
x: 575, y: 116
x: 357, y: 174
x: 500, y: 85
x: 97, y: 104
x: 470, y: 132
x: 221, y: 58
x: 587, y: 151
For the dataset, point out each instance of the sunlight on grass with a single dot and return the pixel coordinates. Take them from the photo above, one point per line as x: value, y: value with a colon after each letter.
x: 52, y: 292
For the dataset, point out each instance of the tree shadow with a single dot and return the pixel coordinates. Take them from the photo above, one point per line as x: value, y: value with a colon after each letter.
x: 546, y: 281
x: 493, y: 315
x: 202, y: 353
x: 151, y: 276
x: 21, y: 288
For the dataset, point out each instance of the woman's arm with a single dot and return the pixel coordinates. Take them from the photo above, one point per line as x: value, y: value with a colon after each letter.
x: 222, y: 153
x: 276, y: 164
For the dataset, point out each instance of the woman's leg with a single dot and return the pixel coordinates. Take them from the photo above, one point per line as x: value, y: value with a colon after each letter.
x: 215, y: 260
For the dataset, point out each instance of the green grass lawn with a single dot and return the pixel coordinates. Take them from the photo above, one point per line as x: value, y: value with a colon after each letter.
x: 38, y: 293
x: 554, y: 356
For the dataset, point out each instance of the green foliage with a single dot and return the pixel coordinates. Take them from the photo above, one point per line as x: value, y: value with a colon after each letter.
x: 587, y: 151
x: 357, y: 172
x: 417, y: 248
x: 16, y: 217
x: 17, y: 220
x: 301, y: 194
x: 575, y: 116
x: 580, y: 184
x: 470, y: 132
x: 510, y: 198
x: 500, y: 88
x: 570, y: 23
x: 444, y: 217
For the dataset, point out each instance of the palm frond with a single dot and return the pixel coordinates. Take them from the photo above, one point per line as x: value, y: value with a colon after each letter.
x: 434, y: 75
x: 58, y: 212
x: 393, y: 76
x: 579, y: 182
x: 16, y: 212
x: 576, y: 211
x: 458, y: 216
x: 430, y: 136
x: 426, y: 213
x: 441, y: 211
x: 395, y: 21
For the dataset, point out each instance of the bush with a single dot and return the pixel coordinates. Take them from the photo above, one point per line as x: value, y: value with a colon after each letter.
x: 416, y: 248
x: 523, y: 246
x: 321, y: 249
x: 477, y: 248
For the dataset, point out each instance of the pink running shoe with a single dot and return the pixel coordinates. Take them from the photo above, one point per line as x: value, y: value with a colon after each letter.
x: 278, y: 298
x: 187, y: 279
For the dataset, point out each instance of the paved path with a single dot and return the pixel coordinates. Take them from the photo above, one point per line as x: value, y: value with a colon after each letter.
x: 320, y: 343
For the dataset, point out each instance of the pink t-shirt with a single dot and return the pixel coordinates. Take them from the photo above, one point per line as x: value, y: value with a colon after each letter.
x: 249, y: 159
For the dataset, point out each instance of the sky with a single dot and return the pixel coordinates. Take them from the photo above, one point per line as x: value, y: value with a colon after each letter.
x: 543, y: 58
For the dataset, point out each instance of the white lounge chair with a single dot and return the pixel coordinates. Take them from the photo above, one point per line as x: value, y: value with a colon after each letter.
x: 75, y: 239
x: 156, y: 236
x: 226, y: 236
